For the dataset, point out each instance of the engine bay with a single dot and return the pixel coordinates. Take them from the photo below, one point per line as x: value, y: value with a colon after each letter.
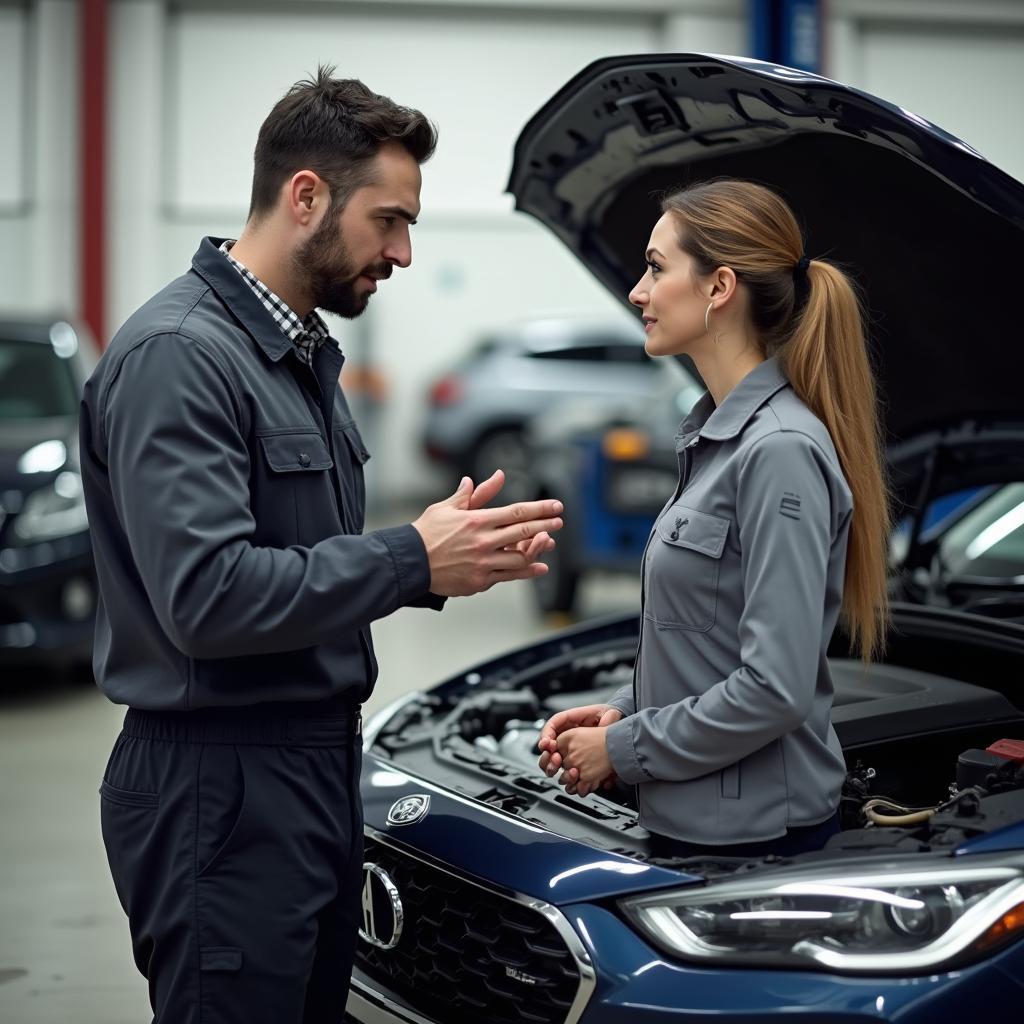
x: 931, y: 760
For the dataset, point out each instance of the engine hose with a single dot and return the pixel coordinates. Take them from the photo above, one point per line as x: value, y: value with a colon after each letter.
x: 914, y: 818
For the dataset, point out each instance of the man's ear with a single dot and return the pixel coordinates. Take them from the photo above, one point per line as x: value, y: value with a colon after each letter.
x: 305, y: 194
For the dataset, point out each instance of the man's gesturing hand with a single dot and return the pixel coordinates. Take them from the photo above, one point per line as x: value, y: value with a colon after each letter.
x: 471, y: 548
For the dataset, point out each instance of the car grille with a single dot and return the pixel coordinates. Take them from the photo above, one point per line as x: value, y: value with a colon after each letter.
x: 467, y: 954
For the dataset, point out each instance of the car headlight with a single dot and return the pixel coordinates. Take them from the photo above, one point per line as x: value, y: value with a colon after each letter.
x: 872, y: 921
x: 54, y: 511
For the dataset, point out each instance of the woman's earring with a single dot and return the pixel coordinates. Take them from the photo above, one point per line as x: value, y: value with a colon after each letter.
x: 707, y: 313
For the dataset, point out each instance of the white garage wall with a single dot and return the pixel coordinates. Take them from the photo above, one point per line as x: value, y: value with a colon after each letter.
x: 38, y: 156
x: 478, y: 72
x: 179, y: 166
x: 14, y: 112
x: 967, y: 80
x: 958, y: 65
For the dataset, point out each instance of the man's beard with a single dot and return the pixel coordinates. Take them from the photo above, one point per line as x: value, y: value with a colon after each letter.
x: 324, y: 264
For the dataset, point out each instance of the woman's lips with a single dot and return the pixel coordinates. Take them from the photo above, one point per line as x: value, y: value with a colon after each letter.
x: 648, y: 324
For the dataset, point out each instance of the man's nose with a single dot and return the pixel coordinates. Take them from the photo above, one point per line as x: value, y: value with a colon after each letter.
x: 399, y: 253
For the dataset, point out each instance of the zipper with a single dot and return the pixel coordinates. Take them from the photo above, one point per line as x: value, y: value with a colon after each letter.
x: 685, y: 468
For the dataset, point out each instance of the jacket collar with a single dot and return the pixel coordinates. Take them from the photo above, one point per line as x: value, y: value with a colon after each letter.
x: 728, y: 419
x: 209, y: 263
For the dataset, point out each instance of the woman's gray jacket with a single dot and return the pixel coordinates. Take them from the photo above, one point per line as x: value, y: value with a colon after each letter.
x: 728, y: 727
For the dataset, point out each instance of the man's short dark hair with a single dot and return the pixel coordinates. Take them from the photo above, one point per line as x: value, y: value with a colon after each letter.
x: 334, y: 127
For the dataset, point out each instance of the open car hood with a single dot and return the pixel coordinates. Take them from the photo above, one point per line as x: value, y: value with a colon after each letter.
x: 918, y: 217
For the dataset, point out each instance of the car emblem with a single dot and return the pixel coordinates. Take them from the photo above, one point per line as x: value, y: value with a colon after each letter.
x: 382, y: 909
x: 520, y: 976
x: 409, y: 809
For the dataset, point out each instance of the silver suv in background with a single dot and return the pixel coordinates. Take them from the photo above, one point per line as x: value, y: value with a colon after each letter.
x: 480, y: 407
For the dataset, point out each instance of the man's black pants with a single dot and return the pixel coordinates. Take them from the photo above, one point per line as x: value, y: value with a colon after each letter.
x: 235, y: 843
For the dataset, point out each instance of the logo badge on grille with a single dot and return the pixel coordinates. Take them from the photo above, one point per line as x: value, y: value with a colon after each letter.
x: 520, y: 976
x: 409, y: 809
x: 382, y: 909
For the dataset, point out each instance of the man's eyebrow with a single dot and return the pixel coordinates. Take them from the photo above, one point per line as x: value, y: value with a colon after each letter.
x: 398, y: 211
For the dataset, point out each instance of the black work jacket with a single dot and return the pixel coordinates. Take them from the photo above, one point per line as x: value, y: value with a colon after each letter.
x: 224, y: 485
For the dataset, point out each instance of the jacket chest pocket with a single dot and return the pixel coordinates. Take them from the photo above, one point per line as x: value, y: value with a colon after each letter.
x: 294, y: 496
x: 685, y: 559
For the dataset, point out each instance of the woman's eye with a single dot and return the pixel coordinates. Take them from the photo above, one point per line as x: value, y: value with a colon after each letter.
x: 654, y: 267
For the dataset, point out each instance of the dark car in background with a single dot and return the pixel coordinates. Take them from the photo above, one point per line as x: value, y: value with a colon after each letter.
x: 479, y: 408
x: 47, y: 582
x: 492, y: 894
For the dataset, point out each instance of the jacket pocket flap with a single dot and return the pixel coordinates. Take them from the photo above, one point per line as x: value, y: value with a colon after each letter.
x: 355, y: 442
x: 220, y: 958
x: 296, y: 451
x: 699, y: 531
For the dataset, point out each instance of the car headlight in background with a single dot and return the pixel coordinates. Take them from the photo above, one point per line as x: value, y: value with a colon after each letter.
x: 46, y: 457
x: 54, y: 511
x: 906, y: 920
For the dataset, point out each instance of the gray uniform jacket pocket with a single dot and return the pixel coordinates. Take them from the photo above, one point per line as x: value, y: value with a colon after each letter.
x: 684, y: 595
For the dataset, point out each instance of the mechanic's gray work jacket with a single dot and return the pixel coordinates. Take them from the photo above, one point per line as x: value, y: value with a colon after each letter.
x: 224, y: 487
x: 730, y: 738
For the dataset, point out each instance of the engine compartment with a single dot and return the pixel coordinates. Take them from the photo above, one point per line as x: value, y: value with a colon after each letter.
x: 903, y: 731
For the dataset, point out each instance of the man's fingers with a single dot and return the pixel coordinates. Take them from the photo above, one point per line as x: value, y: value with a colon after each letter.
x: 460, y: 499
x: 533, y: 549
x: 610, y: 717
x: 529, y: 572
x: 513, y: 535
x: 506, y: 561
x: 488, y: 490
x: 523, y: 512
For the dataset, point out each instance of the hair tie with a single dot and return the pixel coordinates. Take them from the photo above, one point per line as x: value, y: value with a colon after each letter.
x: 801, y: 266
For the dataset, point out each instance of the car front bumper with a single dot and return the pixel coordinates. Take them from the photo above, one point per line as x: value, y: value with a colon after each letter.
x: 463, y: 858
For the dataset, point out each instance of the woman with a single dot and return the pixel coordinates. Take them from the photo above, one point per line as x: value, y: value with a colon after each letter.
x: 778, y: 525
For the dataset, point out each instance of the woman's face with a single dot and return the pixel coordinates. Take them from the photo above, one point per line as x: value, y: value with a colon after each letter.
x: 668, y: 294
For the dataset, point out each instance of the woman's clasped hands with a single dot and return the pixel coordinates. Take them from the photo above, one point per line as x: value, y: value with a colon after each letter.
x: 574, y: 742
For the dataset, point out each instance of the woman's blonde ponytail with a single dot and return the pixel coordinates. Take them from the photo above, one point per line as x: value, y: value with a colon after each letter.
x: 826, y: 361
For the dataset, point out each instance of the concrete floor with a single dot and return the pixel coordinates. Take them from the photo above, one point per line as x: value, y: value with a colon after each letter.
x: 64, y: 947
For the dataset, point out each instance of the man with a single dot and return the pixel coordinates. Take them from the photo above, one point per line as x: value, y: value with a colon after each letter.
x: 223, y: 476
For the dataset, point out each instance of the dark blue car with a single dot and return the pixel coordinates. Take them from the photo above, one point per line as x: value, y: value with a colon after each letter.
x: 491, y: 895
x: 47, y: 580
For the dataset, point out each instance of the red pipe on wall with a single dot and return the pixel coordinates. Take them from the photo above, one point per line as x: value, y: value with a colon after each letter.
x: 93, y: 150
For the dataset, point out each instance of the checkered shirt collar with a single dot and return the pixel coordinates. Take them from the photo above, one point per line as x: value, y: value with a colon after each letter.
x: 306, y: 335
